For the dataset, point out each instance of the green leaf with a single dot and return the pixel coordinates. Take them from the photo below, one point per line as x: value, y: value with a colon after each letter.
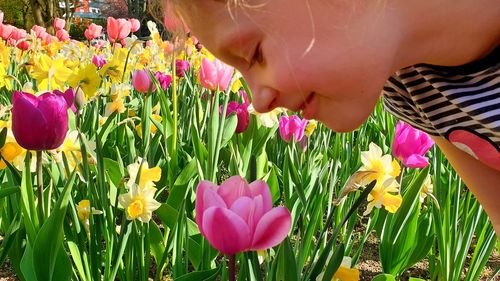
x: 415, y: 279
x: 229, y: 129
x: 3, y: 136
x: 287, y: 267
x: 50, y: 261
x: 27, y: 267
x: 207, y: 275
x: 334, y: 263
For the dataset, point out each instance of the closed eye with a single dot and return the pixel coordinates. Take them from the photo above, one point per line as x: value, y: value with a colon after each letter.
x: 257, y: 56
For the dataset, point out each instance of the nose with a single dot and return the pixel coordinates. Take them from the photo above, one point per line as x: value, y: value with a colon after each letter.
x: 264, y: 98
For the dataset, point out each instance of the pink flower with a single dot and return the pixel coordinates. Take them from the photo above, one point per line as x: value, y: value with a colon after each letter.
x: 39, y: 31
x: 18, y: 39
x: 237, y: 217
x: 93, y: 31
x: 98, y: 60
x: 242, y: 114
x: 292, y: 126
x: 118, y: 29
x: 6, y: 31
x: 69, y: 97
x: 59, y: 23
x: 181, y: 67
x: 163, y: 79
x: 135, y: 25
x: 39, y: 123
x: 215, y: 74
x: 62, y: 35
x: 410, y: 145
x: 142, y: 82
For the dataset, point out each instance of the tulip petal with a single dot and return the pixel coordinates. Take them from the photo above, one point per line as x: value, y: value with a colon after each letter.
x: 272, y: 228
x: 55, y: 110
x: 27, y: 121
x: 201, y: 205
x: 261, y: 188
x: 416, y: 161
x: 250, y: 210
x: 234, y: 188
x: 226, y: 231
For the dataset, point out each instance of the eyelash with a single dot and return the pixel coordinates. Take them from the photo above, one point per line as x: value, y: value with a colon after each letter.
x: 257, y: 56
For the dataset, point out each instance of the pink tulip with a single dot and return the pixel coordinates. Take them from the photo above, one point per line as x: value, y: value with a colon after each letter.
x: 163, y: 79
x: 242, y: 114
x: 18, y: 39
x: 62, y: 35
x: 39, y: 31
x: 93, y: 31
x: 135, y: 25
x: 39, y: 123
x: 59, y: 23
x: 237, y: 217
x: 215, y: 74
x: 181, y: 67
x: 292, y: 126
x: 142, y: 81
x: 410, y: 145
x: 118, y: 29
x: 98, y: 60
x: 6, y: 31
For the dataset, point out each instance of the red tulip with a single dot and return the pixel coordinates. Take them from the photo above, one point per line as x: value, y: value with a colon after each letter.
x: 118, y: 29
x: 237, y: 217
x: 39, y: 123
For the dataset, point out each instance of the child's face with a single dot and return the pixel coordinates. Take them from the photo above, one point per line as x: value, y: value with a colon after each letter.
x: 330, y: 58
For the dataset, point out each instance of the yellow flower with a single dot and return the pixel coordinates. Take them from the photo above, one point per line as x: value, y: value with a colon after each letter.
x: 118, y: 93
x: 236, y: 86
x: 49, y: 73
x: 4, y: 79
x: 72, y: 150
x: 382, y: 165
x: 11, y: 151
x: 344, y: 273
x: 153, y: 128
x: 427, y: 188
x: 147, y: 176
x: 139, y: 203
x: 84, y: 210
x: 115, y: 66
x: 385, y: 194
x: 87, y: 79
x: 268, y: 119
x: 310, y: 127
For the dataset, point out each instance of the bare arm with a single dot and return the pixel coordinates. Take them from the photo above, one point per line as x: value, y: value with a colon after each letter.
x: 482, y: 181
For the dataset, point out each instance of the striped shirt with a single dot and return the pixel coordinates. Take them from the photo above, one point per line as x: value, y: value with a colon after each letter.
x: 459, y: 103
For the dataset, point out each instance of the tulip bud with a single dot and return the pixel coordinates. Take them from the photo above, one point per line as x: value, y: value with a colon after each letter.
x: 59, y: 23
x: 135, y: 25
x: 79, y: 98
x: 62, y: 35
x: 215, y: 74
x: 98, y: 60
x: 118, y: 29
x: 292, y: 126
x: 163, y: 79
x: 39, y: 123
x: 142, y: 82
x: 241, y: 113
x: 181, y: 67
x: 410, y: 145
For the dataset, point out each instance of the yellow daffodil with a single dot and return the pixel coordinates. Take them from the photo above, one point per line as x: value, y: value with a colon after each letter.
x: 310, y: 127
x: 344, y: 273
x: 11, y: 151
x: 268, y: 119
x: 139, y: 203
x: 427, y: 188
x: 84, y: 210
x: 87, y: 79
x: 152, y: 129
x: 4, y: 80
x: 50, y: 73
x: 72, y: 150
x: 115, y: 66
x: 147, y: 176
x: 385, y: 194
x: 118, y: 93
x: 382, y: 165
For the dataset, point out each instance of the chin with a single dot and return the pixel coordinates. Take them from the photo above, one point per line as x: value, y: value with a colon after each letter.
x: 344, y: 124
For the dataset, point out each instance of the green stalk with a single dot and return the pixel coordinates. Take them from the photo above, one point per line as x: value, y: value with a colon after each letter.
x: 174, y: 101
x: 39, y: 172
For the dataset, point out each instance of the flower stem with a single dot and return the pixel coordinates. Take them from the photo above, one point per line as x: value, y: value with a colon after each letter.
x: 40, y: 183
x: 232, y: 268
x: 174, y: 101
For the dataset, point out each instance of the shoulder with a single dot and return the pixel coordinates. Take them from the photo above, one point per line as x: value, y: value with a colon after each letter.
x: 461, y: 103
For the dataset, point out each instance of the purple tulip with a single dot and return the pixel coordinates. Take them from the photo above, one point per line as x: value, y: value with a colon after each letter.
x: 292, y: 126
x: 410, y: 145
x: 241, y: 111
x: 163, y: 79
x: 39, y: 123
x: 69, y: 97
x: 181, y: 67
x: 237, y: 217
